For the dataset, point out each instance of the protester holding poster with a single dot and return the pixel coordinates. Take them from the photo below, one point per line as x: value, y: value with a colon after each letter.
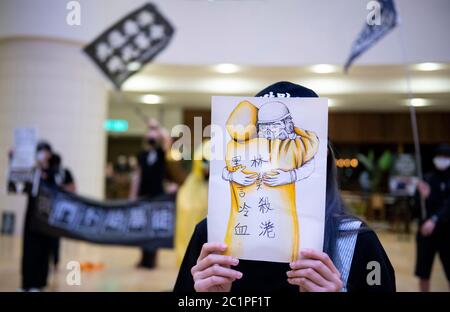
x: 37, y: 246
x: 350, y: 248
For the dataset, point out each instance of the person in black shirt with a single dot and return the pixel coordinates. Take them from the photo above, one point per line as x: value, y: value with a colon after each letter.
x: 204, y: 268
x: 434, y: 232
x: 149, y: 176
x: 37, y: 246
x: 64, y: 178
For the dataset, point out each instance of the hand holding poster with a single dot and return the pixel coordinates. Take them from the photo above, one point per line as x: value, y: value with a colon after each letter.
x: 269, y: 171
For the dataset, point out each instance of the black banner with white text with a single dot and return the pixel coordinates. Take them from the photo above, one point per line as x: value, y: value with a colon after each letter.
x: 145, y: 223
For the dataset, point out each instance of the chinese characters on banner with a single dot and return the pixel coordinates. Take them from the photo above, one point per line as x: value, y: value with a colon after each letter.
x: 269, y: 169
x: 142, y: 223
x: 123, y: 49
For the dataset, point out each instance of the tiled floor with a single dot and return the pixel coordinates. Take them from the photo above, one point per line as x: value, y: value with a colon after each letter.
x: 120, y: 274
x: 401, y: 251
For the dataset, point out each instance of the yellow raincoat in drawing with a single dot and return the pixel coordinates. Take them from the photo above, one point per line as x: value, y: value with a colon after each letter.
x: 259, y: 211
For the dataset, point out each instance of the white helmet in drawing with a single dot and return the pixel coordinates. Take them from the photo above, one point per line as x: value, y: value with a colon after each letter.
x: 272, y: 112
x: 275, y: 122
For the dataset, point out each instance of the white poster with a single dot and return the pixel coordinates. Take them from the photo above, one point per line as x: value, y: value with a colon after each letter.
x: 23, y: 159
x: 25, y: 140
x: 268, y: 176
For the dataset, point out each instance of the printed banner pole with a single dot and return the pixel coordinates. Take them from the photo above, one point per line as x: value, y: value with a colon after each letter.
x: 413, y: 118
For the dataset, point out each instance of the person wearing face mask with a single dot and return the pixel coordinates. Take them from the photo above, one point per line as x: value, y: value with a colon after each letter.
x: 38, y: 247
x: 148, y: 178
x: 434, y: 232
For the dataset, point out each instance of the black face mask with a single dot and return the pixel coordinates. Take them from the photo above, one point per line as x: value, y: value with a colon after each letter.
x: 152, y: 142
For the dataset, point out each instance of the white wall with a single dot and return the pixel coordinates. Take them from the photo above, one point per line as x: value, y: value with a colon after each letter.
x: 260, y: 32
x: 48, y: 85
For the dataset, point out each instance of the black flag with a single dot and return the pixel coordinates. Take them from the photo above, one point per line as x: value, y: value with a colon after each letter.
x: 372, y: 33
x: 123, y: 49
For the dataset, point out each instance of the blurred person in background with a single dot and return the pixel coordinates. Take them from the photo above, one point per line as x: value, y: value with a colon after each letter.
x: 433, y: 235
x: 192, y: 200
x: 151, y: 174
x: 122, y: 178
x: 132, y: 163
x: 38, y: 247
x: 109, y: 180
x: 63, y: 177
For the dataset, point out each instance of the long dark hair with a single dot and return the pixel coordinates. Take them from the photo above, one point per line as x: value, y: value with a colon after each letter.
x: 335, y: 209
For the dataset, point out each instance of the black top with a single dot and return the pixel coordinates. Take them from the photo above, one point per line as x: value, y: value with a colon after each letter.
x: 52, y: 177
x: 63, y: 177
x: 152, y: 165
x: 37, y: 246
x: 68, y: 177
x: 270, y: 277
x: 438, y: 203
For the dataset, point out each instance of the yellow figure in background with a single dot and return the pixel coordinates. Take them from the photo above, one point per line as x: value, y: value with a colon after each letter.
x: 265, y: 158
x: 192, y: 200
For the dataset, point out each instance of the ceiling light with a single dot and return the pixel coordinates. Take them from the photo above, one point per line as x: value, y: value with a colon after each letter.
x: 324, y: 68
x: 428, y: 66
x: 227, y: 68
x: 416, y: 102
x: 151, y: 99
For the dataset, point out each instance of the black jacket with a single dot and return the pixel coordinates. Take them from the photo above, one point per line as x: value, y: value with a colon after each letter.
x: 438, y: 203
x: 270, y: 277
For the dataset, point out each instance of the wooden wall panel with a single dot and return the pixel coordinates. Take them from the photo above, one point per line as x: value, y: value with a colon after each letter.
x: 370, y: 128
x: 388, y: 128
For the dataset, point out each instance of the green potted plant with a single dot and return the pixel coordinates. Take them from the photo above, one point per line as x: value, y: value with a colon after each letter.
x: 375, y: 170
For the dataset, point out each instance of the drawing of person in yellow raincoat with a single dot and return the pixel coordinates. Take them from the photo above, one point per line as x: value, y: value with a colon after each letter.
x: 265, y: 159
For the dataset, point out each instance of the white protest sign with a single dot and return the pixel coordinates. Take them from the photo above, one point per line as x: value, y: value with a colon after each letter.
x: 268, y: 176
x: 23, y: 159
